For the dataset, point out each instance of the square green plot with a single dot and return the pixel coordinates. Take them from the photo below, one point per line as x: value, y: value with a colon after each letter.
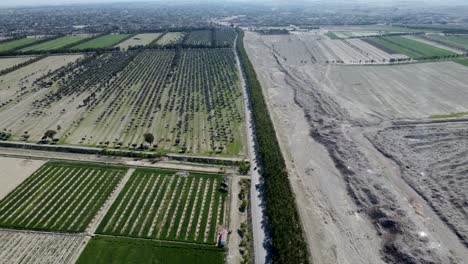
x: 117, y: 250
x: 165, y: 205
x: 59, y: 197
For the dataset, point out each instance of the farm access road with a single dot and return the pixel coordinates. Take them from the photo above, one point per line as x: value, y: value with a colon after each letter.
x: 256, y: 197
x: 130, y: 162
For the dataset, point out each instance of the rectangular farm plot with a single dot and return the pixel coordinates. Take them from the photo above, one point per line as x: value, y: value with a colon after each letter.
x: 54, y: 44
x: 106, y: 41
x: 139, y: 40
x: 166, y: 206
x: 171, y: 38
x: 120, y: 250
x: 59, y: 197
x: 411, y: 48
x: 11, y: 62
x: 200, y: 38
x: 458, y: 41
x: 16, y: 44
x: 40, y: 248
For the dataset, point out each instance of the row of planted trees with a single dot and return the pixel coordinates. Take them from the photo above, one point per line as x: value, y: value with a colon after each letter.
x: 287, y: 240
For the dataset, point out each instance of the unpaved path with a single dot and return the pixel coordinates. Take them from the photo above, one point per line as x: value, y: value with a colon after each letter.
x: 92, y: 227
x: 234, y: 256
x: 257, y: 204
x: 131, y: 162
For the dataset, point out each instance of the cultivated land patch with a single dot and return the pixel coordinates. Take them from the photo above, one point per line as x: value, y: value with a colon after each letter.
x: 409, y: 47
x: 437, y: 44
x: 140, y: 251
x: 20, y: 88
x: 455, y: 41
x: 190, y: 100
x: 16, y: 44
x: 106, y: 41
x: 31, y: 247
x: 166, y: 205
x: 171, y: 38
x: 139, y: 40
x: 200, y: 37
x: 54, y: 44
x: 14, y: 171
x: 10, y: 62
x: 59, y: 197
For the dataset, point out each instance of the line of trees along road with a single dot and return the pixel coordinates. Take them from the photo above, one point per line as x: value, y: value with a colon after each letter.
x: 287, y: 240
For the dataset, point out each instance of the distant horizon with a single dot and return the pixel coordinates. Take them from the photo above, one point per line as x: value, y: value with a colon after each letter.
x: 33, y: 3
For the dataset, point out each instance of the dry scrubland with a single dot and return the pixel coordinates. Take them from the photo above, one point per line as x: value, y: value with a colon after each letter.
x: 14, y: 171
x: 28, y: 247
x: 10, y: 62
x: 189, y: 99
x: 139, y: 40
x: 396, y: 194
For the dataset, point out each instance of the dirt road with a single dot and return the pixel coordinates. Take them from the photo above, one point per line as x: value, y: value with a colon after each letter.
x: 258, y: 228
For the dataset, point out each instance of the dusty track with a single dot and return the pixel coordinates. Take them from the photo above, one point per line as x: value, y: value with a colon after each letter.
x: 353, y: 202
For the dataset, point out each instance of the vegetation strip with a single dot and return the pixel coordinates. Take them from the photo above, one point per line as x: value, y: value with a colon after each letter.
x: 287, y: 240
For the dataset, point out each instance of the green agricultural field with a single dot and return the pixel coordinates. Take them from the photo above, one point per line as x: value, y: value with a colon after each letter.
x: 165, y: 206
x: 460, y: 41
x: 16, y: 44
x: 59, y: 197
x: 139, y: 251
x: 54, y: 44
x: 408, y: 47
x: 106, y: 41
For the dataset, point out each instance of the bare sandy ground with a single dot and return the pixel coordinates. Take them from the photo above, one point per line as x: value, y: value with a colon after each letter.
x: 10, y: 62
x: 397, y: 91
x: 14, y: 171
x: 355, y: 202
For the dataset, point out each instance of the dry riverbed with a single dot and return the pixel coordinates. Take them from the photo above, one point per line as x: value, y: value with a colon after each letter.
x: 357, y: 200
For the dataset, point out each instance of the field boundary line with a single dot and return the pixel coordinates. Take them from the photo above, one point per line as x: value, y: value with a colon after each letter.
x: 163, y: 165
x: 92, y: 227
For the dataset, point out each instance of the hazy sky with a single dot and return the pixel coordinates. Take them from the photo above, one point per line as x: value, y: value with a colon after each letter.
x: 61, y: 2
